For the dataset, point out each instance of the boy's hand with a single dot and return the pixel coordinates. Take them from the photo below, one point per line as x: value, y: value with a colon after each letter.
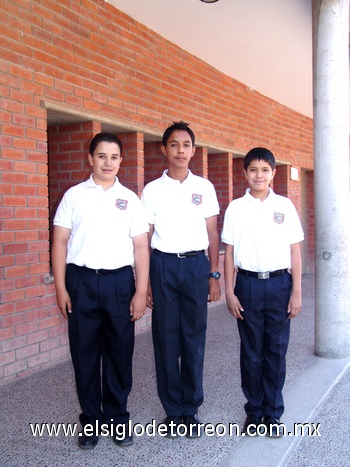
x: 234, y: 306
x: 214, y: 290
x: 63, y: 302
x: 149, y: 298
x: 138, y: 306
x: 294, y: 305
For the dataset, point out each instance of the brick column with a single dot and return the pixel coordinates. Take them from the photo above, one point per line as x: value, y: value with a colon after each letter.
x: 239, y: 182
x: 220, y: 174
x: 132, y: 173
x: 280, y: 184
x: 155, y: 161
x: 199, y: 162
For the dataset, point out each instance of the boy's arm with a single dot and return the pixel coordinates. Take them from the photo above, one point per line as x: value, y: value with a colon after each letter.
x: 58, y: 257
x: 233, y: 304
x: 294, y: 305
x: 213, y: 251
x: 141, y: 255
x: 149, y: 293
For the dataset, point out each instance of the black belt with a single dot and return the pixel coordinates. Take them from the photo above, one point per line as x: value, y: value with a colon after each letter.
x: 103, y: 272
x: 187, y: 254
x: 262, y: 275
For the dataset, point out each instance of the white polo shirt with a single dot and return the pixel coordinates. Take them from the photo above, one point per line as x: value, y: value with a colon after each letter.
x: 102, y: 224
x: 179, y: 211
x: 262, y: 232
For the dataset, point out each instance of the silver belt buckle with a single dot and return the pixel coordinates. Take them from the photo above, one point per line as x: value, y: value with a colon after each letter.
x: 264, y: 275
x: 180, y: 255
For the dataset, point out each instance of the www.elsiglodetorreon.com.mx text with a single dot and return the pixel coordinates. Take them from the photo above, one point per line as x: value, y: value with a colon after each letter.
x: 152, y: 429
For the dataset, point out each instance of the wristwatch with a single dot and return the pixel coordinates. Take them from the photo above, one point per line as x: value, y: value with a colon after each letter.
x: 215, y: 274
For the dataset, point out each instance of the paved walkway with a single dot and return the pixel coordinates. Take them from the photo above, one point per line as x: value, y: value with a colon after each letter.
x: 317, y: 392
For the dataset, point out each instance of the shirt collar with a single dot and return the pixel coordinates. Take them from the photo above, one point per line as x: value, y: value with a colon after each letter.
x: 91, y: 184
x: 249, y: 198
x: 168, y: 180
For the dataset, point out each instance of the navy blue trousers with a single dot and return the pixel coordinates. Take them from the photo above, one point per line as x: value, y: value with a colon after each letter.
x: 179, y: 322
x: 100, y: 331
x: 264, y: 334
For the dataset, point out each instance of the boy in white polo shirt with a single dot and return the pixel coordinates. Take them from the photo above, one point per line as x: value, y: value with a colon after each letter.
x: 182, y: 209
x: 262, y: 232
x: 100, y: 232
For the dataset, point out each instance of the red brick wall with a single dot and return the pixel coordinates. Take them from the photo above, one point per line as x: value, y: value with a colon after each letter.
x: 131, y: 172
x: 239, y: 181
x: 281, y: 180
x: 102, y: 69
x: 68, y: 147
x: 155, y: 161
x: 220, y: 174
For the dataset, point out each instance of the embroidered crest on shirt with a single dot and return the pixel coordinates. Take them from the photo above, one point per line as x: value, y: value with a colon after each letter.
x: 197, y: 199
x: 121, y: 204
x: 278, y: 217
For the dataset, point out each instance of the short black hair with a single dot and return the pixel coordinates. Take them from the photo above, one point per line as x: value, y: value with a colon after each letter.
x: 104, y: 137
x: 181, y: 125
x: 259, y: 154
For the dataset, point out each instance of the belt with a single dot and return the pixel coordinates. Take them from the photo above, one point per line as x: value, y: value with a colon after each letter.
x: 262, y: 275
x: 102, y: 272
x: 187, y: 254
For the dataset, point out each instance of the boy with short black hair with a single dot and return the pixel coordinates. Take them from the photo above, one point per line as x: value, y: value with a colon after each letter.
x: 261, y: 233
x: 100, y: 232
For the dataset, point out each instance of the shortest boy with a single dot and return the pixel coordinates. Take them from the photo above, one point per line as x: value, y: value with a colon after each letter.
x: 262, y: 232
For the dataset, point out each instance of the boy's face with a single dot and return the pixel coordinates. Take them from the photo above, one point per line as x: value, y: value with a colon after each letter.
x: 105, y: 163
x: 259, y: 175
x: 179, y: 149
